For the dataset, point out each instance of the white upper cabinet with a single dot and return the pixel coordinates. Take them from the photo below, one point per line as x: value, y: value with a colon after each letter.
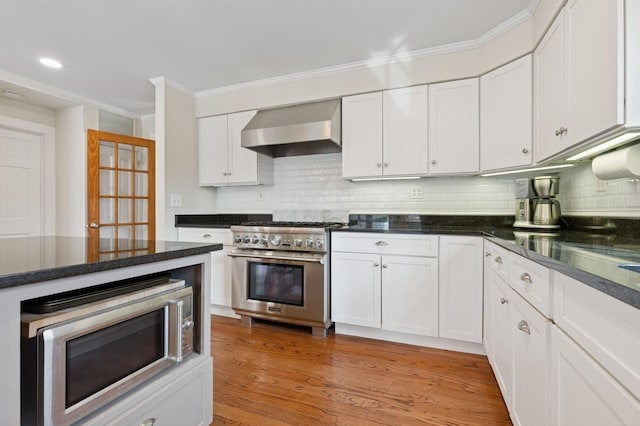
x: 454, y: 127
x: 222, y: 160
x: 506, y: 116
x: 579, y: 76
x: 385, y: 133
x: 362, y: 135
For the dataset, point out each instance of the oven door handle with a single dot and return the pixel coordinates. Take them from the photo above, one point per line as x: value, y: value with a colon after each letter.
x: 319, y: 259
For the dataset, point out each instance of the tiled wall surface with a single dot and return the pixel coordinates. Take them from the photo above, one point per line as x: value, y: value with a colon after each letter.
x: 580, y: 194
x: 314, y: 182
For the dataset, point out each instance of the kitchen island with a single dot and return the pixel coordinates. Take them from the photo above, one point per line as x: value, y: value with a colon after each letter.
x: 31, y: 268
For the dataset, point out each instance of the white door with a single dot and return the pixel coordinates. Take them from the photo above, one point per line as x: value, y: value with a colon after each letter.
x: 404, y: 150
x: 20, y: 184
x: 410, y: 294
x: 362, y: 135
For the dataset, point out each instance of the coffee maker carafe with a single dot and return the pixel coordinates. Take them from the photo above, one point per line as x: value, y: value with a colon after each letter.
x: 536, y: 206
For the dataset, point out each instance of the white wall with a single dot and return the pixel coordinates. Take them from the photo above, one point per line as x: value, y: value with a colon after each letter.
x: 27, y: 112
x: 580, y: 195
x: 314, y: 182
x: 71, y: 168
x: 177, y: 159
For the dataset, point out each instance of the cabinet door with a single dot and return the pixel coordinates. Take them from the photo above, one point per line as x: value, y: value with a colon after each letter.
x: 355, y: 289
x: 362, y: 135
x: 530, y: 359
x: 243, y: 163
x: 212, y: 150
x: 221, y: 277
x: 501, y: 318
x: 461, y: 288
x: 454, y: 127
x: 410, y: 294
x: 582, y: 392
x: 404, y: 150
x: 487, y: 322
x: 595, y: 57
x: 506, y: 116
x: 551, y: 92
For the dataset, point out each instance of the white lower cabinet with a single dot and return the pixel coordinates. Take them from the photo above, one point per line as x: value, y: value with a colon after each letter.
x: 460, y: 288
x: 501, y: 317
x: 582, y: 392
x: 220, y: 265
x: 394, y: 292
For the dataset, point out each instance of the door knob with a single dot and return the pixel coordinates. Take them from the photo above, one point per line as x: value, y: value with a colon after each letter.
x: 94, y: 225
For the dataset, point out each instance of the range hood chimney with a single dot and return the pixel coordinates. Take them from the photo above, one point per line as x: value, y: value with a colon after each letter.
x: 312, y: 128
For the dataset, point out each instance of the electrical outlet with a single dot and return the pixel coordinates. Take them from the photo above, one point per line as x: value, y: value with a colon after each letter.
x: 601, y: 185
x: 416, y: 193
x: 259, y: 196
x: 175, y: 200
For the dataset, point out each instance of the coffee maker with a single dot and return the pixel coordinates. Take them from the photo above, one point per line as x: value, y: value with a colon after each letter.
x: 536, y: 206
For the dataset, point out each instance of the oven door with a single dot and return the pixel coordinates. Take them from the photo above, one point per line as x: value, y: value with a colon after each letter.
x: 284, y: 285
x: 90, y: 361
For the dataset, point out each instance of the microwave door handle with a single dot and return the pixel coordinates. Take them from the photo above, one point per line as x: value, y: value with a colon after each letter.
x: 294, y: 258
x: 175, y: 330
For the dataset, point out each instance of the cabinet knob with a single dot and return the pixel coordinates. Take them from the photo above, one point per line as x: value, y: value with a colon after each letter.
x: 498, y: 259
x: 376, y: 264
x: 386, y: 164
x: 503, y: 301
x: 561, y: 131
x: 224, y: 173
x: 228, y: 173
x: 381, y: 243
x: 433, y: 162
x: 524, y: 327
x: 526, y: 278
x: 384, y: 265
x: 379, y: 164
x: 525, y: 151
x: 206, y: 235
x: 487, y: 254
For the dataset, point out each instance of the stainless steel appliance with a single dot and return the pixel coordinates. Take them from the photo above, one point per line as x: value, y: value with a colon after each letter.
x: 86, y: 350
x: 280, y: 271
x: 536, y: 206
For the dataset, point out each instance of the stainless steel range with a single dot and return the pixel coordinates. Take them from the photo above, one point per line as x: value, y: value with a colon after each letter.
x: 281, y: 272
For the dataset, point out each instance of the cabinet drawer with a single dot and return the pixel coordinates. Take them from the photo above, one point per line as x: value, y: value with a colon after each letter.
x: 499, y: 260
x: 408, y: 245
x: 206, y: 235
x: 608, y: 329
x: 531, y: 280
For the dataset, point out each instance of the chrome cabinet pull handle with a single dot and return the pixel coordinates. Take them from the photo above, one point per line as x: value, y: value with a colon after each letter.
x: 524, y: 327
x: 148, y: 422
x: 206, y: 235
x: 526, y: 278
x: 382, y: 243
x: 498, y: 259
x: 503, y: 301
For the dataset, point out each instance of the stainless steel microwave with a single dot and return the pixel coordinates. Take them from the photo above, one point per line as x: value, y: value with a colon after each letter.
x: 85, y: 357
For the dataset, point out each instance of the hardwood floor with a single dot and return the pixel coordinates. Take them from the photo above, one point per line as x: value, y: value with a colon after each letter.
x: 279, y: 375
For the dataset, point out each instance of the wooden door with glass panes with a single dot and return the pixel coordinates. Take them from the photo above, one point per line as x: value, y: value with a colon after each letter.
x: 121, y: 195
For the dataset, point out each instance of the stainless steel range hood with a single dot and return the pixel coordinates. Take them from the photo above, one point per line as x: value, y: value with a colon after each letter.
x: 312, y: 128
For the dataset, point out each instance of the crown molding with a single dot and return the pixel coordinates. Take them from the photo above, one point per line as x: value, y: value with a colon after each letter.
x: 65, y: 95
x: 382, y: 60
x: 165, y: 81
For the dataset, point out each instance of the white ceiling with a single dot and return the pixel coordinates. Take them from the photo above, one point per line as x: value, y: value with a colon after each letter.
x: 111, y: 48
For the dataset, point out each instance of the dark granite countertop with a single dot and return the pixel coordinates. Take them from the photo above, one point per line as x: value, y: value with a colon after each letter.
x: 35, y: 259
x: 590, y: 257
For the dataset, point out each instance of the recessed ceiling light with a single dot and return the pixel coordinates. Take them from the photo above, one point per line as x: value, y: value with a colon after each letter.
x: 51, y: 63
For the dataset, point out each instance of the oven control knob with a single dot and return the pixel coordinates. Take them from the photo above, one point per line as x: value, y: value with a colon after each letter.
x: 246, y: 239
x: 319, y: 244
x: 308, y: 243
x: 297, y: 243
x: 255, y: 240
x: 263, y: 241
x: 275, y: 240
x: 237, y: 239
